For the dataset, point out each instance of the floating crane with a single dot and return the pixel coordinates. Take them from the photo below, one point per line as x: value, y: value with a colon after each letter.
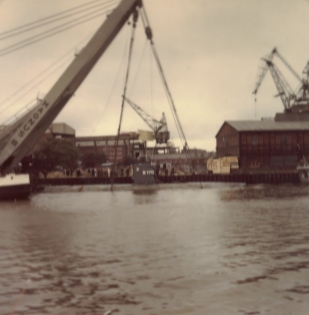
x: 292, y: 101
x: 18, y: 139
x: 159, y: 127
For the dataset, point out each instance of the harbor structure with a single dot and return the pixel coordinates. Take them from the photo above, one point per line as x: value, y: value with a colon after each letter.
x: 57, y: 130
x: 178, y: 160
x: 128, y: 146
x: 265, y: 144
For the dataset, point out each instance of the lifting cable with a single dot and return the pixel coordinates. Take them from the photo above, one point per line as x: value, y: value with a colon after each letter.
x: 135, y: 17
x: 165, y: 85
x: 31, y: 88
x: 19, y: 113
x: 111, y: 91
x: 168, y: 93
x: 151, y: 81
x: 138, y: 68
x: 50, y: 19
x: 49, y: 67
x: 38, y: 76
x: 53, y: 31
x: 28, y: 83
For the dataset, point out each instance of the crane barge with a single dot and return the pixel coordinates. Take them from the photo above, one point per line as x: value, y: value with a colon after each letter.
x: 18, y: 139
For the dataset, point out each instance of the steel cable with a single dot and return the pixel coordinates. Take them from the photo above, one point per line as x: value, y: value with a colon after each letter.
x: 39, y: 23
x: 135, y: 17
x: 39, y: 75
x: 167, y: 91
x: 51, y: 32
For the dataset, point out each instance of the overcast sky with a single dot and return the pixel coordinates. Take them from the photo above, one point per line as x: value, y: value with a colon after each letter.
x: 209, y: 49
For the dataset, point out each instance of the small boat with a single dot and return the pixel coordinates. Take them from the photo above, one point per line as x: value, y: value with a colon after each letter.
x: 303, y: 172
x: 302, y: 168
x: 15, y: 186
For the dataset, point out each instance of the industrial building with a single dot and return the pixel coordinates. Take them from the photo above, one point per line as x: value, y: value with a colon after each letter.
x: 128, y: 146
x: 179, y: 160
x: 265, y: 144
x: 131, y: 145
x: 58, y: 131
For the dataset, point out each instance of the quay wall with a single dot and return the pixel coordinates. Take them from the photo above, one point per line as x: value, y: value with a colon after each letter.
x: 262, y: 178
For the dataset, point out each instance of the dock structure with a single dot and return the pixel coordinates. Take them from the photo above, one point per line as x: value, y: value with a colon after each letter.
x: 254, y: 178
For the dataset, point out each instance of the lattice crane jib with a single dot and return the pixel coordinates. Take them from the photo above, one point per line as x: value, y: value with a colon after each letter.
x: 262, y: 70
x: 159, y: 127
x: 162, y: 135
x: 303, y: 92
x: 284, y: 90
x: 290, y: 99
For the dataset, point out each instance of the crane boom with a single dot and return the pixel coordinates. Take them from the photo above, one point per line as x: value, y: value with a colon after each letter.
x: 296, y: 75
x: 292, y: 101
x: 284, y: 90
x: 146, y: 117
x: 263, y: 70
x: 303, y: 93
x: 159, y: 127
x: 19, y: 139
x: 264, y: 67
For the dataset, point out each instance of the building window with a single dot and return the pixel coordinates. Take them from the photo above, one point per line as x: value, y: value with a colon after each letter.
x: 283, y: 139
x: 255, y: 139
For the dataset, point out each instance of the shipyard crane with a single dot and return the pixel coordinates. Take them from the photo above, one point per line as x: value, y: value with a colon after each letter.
x: 303, y: 91
x: 291, y: 100
x: 159, y: 127
x: 284, y: 90
x: 264, y: 67
x: 18, y: 139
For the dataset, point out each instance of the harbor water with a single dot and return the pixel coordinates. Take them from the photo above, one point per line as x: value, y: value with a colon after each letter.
x: 170, y: 249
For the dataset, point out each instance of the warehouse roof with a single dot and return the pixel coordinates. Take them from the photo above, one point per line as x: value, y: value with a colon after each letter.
x: 266, y: 125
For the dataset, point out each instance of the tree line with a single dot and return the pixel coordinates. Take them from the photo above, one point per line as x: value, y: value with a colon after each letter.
x: 55, y: 153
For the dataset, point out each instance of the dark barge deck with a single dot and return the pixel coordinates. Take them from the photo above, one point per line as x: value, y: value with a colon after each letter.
x: 254, y: 178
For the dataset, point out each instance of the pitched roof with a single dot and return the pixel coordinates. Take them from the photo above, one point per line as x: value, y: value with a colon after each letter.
x: 267, y: 125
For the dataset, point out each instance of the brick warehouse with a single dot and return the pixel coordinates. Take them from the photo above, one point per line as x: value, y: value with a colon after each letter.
x: 264, y: 144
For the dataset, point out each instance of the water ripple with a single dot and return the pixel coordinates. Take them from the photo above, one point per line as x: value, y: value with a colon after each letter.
x: 224, y: 249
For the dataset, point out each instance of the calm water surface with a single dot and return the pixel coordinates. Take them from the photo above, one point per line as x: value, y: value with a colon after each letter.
x: 176, y: 249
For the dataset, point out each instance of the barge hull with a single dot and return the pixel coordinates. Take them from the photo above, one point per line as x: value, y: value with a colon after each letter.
x: 15, y: 187
x: 257, y: 178
x: 15, y: 192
